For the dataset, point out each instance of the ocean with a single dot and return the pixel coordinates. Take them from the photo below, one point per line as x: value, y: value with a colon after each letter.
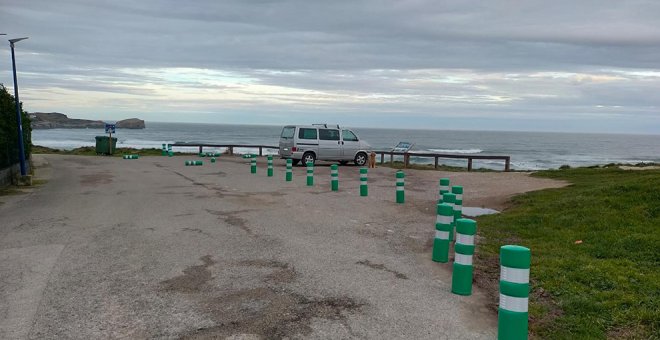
x: 528, y: 150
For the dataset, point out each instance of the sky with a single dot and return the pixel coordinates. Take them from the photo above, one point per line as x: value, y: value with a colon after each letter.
x: 573, y: 66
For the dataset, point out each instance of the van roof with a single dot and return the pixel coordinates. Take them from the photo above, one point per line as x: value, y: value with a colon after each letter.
x: 327, y: 126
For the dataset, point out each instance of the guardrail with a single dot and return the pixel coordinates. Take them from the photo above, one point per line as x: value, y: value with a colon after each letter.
x: 230, y: 147
x: 436, y: 156
x: 406, y: 155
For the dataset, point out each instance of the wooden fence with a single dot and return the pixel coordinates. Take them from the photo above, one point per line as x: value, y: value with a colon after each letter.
x: 406, y: 155
x: 436, y: 156
x: 230, y: 147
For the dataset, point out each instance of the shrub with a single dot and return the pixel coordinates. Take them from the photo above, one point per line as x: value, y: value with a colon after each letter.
x: 9, y: 130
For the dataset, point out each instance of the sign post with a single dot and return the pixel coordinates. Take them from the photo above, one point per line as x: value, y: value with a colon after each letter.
x: 110, y: 129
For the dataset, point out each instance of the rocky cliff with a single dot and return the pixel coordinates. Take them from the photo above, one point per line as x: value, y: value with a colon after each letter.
x: 131, y: 123
x: 55, y: 120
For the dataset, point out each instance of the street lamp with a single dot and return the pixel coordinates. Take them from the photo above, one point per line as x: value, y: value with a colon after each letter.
x: 21, y: 147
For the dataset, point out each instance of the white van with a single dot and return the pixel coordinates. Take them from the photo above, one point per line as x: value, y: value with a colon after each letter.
x: 322, y: 142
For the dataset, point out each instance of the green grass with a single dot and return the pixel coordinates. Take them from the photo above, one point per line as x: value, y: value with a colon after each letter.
x: 15, y: 190
x: 91, y: 151
x: 10, y: 190
x: 609, y: 285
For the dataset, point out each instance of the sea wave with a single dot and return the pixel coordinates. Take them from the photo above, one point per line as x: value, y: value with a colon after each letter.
x: 466, y: 151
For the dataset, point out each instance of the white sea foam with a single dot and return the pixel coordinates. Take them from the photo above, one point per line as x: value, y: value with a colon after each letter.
x: 461, y: 151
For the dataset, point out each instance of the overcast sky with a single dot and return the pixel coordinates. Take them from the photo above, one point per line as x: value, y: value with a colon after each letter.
x: 498, y: 65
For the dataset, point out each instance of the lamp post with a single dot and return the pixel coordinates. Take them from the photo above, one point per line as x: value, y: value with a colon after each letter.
x: 21, y: 147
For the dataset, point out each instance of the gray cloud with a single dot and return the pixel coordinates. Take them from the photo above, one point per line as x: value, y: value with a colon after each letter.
x: 342, y: 34
x: 419, y: 57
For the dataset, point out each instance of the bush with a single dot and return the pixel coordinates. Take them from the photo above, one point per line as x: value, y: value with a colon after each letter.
x: 9, y: 130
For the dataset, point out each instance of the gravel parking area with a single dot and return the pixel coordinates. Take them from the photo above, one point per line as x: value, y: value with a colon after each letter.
x: 150, y: 248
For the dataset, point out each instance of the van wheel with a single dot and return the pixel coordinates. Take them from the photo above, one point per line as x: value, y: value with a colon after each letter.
x: 308, y: 157
x: 361, y: 159
x: 295, y: 162
x: 343, y: 162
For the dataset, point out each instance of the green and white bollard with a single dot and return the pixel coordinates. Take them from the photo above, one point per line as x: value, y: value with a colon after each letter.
x: 458, y: 191
x: 164, y: 152
x: 458, y: 201
x: 131, y: 156
x: 443, y: 188
x: 212, y: 159
x: 194, y: 163
x: 461, y: 279
x: 400, y: 182
x: 334, y: 177
x: 514, y: 292
x: 450, y: 199
x: 310, y: 174
x: 364, y: 189
x: 443, y: 224
x: 270, y: 165
x: 170, y: 153
x: 253, y: 165
x: 289, y: 170
x: 458, y: 209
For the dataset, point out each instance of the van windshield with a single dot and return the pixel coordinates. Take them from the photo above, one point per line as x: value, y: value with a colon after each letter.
x: 349, y: 136
x: 288, y: 132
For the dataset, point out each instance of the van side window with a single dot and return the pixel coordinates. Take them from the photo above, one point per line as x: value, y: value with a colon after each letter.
x: 349, y: 136
x: 307, y: 133
x: 328, y: 134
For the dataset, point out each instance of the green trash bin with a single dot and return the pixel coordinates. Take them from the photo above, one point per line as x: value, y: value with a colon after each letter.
x: 102, y: 146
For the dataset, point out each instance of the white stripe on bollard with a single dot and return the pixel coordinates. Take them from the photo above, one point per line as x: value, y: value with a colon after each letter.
x: 459, y: 197
x: 514, y: 304
x: 465, y: 239
x: 515, y: 275
x: 465, y: 260
x: 443, y: 235
x: 400, y: 180
x: 399, y: 188
x: 444, y: 219
x: 444, y: 187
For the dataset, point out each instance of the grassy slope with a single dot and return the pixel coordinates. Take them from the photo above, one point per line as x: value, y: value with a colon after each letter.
x: 606, y: 287
x: 91, y: 151
x: 441, y: 167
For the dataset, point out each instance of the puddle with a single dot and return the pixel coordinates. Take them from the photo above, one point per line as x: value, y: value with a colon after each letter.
x: 474, y: 211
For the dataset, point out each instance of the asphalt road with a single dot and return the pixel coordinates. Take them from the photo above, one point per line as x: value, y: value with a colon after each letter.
x: 150, y: 248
